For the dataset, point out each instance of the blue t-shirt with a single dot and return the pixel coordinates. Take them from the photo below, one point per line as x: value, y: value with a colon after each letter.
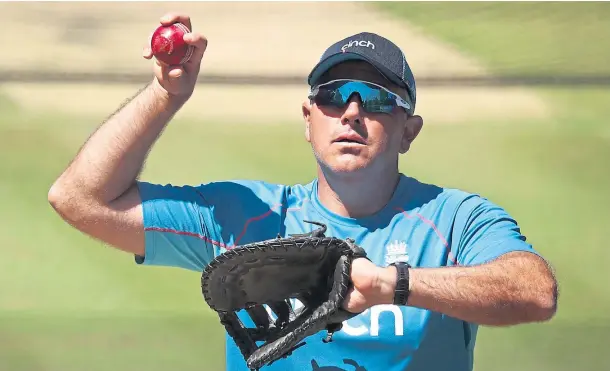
x: 187, y: 226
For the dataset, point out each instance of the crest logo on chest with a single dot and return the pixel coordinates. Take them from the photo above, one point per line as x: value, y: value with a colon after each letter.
x: 396, y: 251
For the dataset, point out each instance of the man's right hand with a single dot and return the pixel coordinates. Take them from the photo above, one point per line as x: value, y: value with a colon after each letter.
x: 98, y: 192
x: 179, y: 81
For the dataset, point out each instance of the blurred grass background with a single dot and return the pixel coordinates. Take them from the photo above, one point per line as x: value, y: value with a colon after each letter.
x: 69, y: 303
x: 518, y: 38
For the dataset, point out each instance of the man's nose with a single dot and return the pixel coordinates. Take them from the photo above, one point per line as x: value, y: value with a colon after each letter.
x: 353, y: 111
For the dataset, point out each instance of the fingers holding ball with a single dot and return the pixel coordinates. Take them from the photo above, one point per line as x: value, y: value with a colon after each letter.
x: 168, y: 45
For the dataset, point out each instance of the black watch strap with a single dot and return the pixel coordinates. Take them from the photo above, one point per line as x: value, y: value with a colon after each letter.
x: 401, y: 293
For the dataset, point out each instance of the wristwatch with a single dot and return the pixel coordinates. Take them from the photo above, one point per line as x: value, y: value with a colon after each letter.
x: 401, y: 292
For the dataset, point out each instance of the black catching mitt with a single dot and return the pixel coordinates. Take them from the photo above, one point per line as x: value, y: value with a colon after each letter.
x: 310, y: 267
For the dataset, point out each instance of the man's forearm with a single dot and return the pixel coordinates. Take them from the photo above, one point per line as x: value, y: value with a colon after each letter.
x: 511, y: 290
x: 111, y: 160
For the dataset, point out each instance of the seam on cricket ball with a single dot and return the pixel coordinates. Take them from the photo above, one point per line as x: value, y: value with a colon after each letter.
x: 189, y: 49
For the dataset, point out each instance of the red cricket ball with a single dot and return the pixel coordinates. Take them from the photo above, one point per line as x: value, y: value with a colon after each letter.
x: 168, y: 46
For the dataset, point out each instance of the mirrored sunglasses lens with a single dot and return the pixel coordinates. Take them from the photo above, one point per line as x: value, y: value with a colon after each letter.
x: 373, y: 98
x: 326, y: 96
x: 376, y: 99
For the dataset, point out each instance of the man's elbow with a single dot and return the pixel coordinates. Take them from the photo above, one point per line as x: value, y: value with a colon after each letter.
x: 57, y: 198
x: 547, y: 304
x: 545, y: 300
x: 55, y: 194
x: 66, y: 204
x: 538, y: 288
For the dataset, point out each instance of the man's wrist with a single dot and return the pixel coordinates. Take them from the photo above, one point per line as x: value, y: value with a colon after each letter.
x: 171, y: 101
x: 387, y: 280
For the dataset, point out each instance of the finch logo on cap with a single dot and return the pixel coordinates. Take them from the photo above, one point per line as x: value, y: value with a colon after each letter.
x: 362, y: 43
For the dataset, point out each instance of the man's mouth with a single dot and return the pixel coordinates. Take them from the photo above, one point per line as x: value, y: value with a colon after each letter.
x: 350, y: 139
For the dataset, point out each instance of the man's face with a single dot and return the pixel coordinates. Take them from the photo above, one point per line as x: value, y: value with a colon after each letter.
x: 349, y: 139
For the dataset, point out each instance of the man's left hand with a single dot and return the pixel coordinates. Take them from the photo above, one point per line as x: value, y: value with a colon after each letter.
x: 372, y: 285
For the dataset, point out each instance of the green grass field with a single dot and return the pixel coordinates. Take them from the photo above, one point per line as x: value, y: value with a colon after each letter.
x: 522, y: 38
x: 69, y: 303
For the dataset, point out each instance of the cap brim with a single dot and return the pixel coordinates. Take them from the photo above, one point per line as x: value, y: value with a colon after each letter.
x: 331, y: 61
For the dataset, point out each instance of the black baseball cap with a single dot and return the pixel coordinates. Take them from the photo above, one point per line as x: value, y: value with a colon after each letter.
x: 383, y: 54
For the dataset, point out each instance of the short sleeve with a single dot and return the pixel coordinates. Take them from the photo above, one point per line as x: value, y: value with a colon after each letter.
x: 177, y: 228
x: 486, y: 231
x: 188, y: 226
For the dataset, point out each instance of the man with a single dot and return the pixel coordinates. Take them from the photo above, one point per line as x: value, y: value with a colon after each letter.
x: 466, y: 260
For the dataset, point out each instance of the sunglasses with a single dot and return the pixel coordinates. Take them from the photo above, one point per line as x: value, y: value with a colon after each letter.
x: 375, y: 98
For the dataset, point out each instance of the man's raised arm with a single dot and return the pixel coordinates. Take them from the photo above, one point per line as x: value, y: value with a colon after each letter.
x: 97, y: 193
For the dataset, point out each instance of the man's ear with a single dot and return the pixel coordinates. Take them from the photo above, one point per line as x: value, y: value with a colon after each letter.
x: 306, y: 108
x: 412, y: 129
